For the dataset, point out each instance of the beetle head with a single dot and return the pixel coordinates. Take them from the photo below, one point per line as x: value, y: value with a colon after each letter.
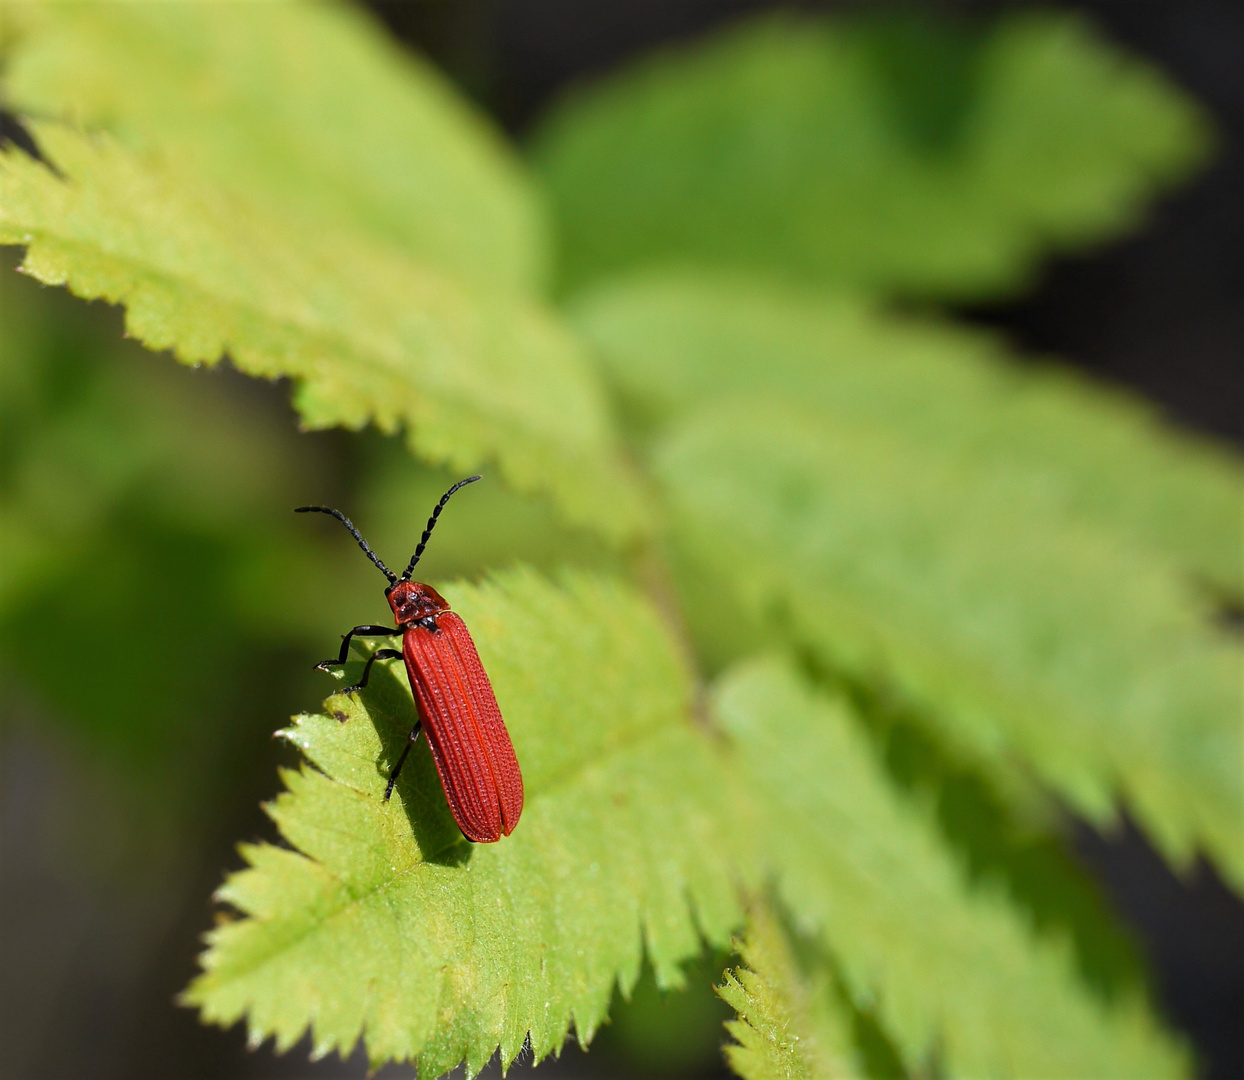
x: 412, y: 600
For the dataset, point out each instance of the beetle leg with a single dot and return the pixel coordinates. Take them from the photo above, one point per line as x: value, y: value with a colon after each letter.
x: 410, y: 741
x: 358, y: 631
x: 379, y: 654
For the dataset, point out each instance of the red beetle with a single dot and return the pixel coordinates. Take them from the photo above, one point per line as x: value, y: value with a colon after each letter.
x: 470, y: 745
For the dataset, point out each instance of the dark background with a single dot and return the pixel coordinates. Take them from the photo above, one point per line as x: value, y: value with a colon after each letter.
x: 1160, y: 312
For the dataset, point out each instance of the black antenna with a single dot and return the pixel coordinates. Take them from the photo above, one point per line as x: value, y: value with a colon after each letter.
x: 355, y: 533
x: 423, y: 540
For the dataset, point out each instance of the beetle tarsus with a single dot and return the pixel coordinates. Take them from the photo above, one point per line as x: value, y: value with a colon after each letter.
x: 379, y: 654
x: 410, y: 741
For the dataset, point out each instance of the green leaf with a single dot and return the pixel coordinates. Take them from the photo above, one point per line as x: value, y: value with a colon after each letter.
x: 790, y: 1026
x: 290, y: 188
x: 1021, y: 632
x: 308, y: 107
x: 858, y: 865
x: 807, y: 147
x: 672, y: 340
x: 1006, y: 834
x: 136, y: 495
x: 368, y: 334
x: 383, y: 923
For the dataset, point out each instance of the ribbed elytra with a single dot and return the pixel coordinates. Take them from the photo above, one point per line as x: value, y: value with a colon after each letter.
x: 456, y: 706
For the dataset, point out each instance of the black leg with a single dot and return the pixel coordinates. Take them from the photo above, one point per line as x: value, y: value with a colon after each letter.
x: 358, y: 631
x: 414, y: 734
x: 379, y: 654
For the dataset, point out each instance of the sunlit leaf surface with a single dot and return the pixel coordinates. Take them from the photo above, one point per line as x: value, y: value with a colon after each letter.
x: 283, y: 185
x: 367, y: 334
x: 310, y: 108
x: 1012, y: 570
x: 384, y: 923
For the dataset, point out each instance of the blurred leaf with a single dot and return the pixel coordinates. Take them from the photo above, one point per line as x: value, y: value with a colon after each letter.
x: 1005, y: 833
x: 790, y: 1026
x: 858, y: 866
x: 1023, y: 633
x: 137, y: 500
x: 670, y: 341
x: 368, y: 334
x: 492, y: 528
x: 925, y: 71
x: 817, y: 149
x: 309, y: 107
x: 288, y: 187
x: 1051, y: 451
x: 93, y: 427
x: 384, y: 923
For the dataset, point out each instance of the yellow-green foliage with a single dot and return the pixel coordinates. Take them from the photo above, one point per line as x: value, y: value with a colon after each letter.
x: 1020, y: 565
x: 127, y: 483
x: 820, y: 444
x: 373, y: 324
x: 829, y: 152
x: 386, y: 924
x: 672, y: 340
x: 309, y: 108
